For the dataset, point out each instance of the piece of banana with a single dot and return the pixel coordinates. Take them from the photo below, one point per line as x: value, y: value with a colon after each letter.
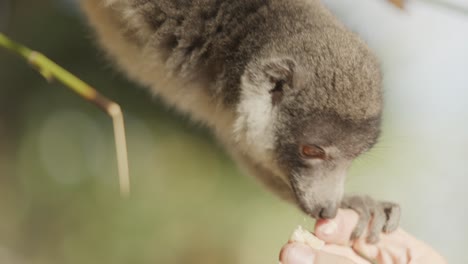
x: 300, y: 235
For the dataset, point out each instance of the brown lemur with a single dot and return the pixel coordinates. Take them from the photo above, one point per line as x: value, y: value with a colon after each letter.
x: 291, y: 93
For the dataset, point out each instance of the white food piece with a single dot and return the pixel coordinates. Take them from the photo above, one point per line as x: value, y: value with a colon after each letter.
x: 300, y: 235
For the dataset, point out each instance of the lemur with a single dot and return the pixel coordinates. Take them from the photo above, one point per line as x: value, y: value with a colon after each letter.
x: 291, y: 93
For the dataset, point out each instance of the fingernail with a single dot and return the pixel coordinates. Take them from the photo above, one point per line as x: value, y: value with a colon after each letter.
x: 329, y: 228
x: 299, y: 254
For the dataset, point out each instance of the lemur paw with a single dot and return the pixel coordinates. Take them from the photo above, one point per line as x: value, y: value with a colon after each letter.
x: 376, y: 216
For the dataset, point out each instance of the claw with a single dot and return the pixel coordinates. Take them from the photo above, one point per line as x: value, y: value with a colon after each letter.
x: 393, y: 212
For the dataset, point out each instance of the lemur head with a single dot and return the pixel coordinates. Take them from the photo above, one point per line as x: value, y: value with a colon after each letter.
x: 309, y: 106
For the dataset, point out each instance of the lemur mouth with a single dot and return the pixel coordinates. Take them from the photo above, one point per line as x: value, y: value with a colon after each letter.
x: 327, y: 211
x: 317, y: 210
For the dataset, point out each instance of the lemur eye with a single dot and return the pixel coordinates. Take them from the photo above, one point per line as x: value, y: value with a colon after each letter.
x: 277, y: 92
x: 313, y: 152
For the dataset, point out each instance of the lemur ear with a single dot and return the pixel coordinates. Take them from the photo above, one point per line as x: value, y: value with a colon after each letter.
x: 280, y: 73
x: 280, y: 69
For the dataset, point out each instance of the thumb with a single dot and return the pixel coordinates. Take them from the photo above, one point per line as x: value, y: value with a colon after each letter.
x: 297, y: 253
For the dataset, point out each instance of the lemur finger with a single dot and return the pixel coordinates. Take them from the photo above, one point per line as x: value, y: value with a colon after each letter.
x: 360, y: 206
x: 379, y: 220
x: 392, y: 212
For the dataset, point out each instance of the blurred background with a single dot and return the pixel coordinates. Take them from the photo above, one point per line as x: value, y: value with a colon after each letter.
x: 59, y: 200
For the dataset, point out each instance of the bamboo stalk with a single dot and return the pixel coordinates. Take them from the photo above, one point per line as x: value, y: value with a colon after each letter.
x: 51, y: 71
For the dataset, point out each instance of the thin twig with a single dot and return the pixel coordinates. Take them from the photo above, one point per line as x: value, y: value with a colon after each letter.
x: 398, y: 3
x: 51, y: 71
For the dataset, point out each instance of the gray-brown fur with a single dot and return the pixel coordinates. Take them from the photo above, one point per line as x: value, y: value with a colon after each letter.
x: 267, y: 76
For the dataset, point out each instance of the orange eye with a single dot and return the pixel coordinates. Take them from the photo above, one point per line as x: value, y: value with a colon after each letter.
x: 313, y: 152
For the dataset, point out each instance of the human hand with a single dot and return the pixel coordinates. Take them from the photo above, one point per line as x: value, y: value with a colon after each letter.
x: 394, y: 248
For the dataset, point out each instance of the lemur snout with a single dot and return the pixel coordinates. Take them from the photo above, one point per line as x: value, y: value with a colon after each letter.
x: 322, y: 211
x: 328, y: 212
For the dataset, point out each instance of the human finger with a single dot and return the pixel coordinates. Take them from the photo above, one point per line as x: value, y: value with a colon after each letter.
x: 298, y: 253
x: 338, y: 230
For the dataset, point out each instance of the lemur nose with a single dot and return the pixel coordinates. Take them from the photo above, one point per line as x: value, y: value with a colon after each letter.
x: 328, y: 212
